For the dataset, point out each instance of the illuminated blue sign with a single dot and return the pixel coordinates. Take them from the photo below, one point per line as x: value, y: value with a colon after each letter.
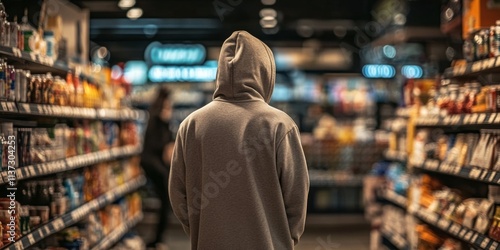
x: 378, y: 71
x: 175, y: 54
x: 201, y: 73
x: 412, y: 71
x: 135, y: 72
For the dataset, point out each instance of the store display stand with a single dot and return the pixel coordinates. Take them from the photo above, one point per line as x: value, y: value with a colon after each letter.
x: 22, y: 111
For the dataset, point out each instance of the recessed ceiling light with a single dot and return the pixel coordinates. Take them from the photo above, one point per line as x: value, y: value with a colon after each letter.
x: 268, y: 22
x: 134, y: 13
x: 268, y: 2
x: 125, y: 4
x: 268, y: 12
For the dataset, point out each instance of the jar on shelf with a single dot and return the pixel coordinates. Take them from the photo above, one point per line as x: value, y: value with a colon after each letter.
x: 451, y: 106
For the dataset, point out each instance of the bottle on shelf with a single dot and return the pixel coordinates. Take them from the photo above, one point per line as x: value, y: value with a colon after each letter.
x: 29, y: 34
x: 4, y: 29
x: 16, y: 35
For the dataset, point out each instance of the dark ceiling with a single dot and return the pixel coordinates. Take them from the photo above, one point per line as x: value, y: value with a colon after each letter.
x: 211, y: 21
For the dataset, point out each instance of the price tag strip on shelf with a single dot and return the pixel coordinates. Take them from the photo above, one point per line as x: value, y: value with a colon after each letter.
x: 71, y: 163
x: 395, y: 198
x: 458, y: 231
x: 468, y: 172
x: 76, y: 215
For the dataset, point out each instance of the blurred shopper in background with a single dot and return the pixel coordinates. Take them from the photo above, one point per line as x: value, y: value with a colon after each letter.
x: 239, y: 178
x: 155, y: 159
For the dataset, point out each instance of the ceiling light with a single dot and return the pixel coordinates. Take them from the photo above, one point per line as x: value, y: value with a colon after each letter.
x: 268, y: 2
x: 268, y: 12
x: 268, y: 22
x: 125, y: 4
x: 134, y: 13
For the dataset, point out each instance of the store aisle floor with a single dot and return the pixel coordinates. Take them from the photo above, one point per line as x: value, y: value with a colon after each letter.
x: 314, y: 238
x: 323, y: 232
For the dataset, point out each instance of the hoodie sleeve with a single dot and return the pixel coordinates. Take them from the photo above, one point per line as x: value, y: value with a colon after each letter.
x: 177, y: 184
x: 294, y: 180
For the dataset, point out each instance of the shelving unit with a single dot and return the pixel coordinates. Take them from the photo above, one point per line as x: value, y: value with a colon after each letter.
x: 476, y: 239
x: 35, y: 62
x: 71, y: 163
x: 118, y: 233
x: 485, y: 176
x: 27, y: 110
x: 24, y: 112
x: 76, y: 215
x: 458, y: 121
x: 474, y: 69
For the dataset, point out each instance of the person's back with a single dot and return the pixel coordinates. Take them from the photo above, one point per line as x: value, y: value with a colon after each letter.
x: 239, y: 178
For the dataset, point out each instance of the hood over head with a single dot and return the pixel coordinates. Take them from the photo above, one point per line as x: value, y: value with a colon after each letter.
x: 246, y: 69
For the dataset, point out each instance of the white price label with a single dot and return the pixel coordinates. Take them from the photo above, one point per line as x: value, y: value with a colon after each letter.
x: 484, y: 174
x: 481, y: 118
x: 475, y: 173
x: 58, y: 224
x: 474, y: 237
x: 485, y: 243
x: 33, y: 56
x: 443, y: 223
x: 27, y: 108
x: 17, y: 52
x: 494, y: 245
x: 31, y: 170
x: 467, y: 119
x: 492, y: 118
x: 462, y: 232
x: 57, y: 110
x: 19, y: 174
x: 474, y: 118
x: 31, y: 239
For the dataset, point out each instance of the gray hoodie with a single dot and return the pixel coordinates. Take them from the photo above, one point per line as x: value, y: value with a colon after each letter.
x: 238, y: 177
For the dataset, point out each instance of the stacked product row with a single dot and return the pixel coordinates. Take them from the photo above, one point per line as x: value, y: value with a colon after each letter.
x: 19, y: 85
x: 43, y: 199
x: 45, y: 40
x: 483, y: 43
x: 42, y: 144
x: 93, y: 229
x: 454, y: 98
x: 467, y: 206
x: 480, y: 150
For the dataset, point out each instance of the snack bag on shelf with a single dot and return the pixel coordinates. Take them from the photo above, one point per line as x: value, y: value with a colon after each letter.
x: 484, y: 216
x: 483, y: 153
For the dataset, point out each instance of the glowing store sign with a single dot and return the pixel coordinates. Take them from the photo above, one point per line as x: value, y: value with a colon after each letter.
x: 412, y: 71
x: 378, y: 71
x: 175, y: 54
x: 202, y: 73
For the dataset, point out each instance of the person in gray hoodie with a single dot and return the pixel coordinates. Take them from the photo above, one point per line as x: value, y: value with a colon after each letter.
x: 238, y: 175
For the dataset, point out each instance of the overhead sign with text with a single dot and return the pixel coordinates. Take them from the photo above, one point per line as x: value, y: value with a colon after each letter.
x: 175, y: 54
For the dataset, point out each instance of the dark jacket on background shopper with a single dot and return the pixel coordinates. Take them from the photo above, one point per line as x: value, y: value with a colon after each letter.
x: 239, y: 178
x: 157, y: 139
